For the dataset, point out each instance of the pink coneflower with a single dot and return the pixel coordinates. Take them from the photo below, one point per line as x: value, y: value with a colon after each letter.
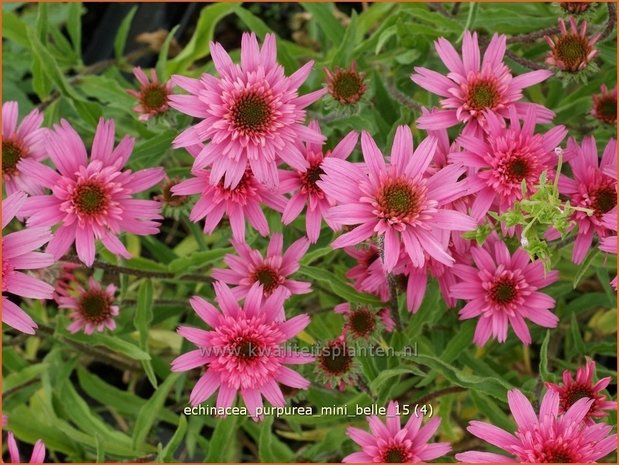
x: 18, y: 253
x: 368, y: 275
x: 304, y: 183
x: 20, y: 142
x: 250, y: 270
x: 336, y: 364
x: 238, y: 203
x: 575, y: 7
x: 605, y: 105
x: 346, y: 85
x: 38, y: 452
x: 396, y: 201
x: 502, y: 290
x: 550, y: 437
x: 609, y: 243
x: 571, y: 51
x: 507, y: 158
x: 251, y: 114
x: 153, y: 95
x: 362, y: 322
x: 91, y: 198
x: 473, y: 87
x: 244, y: 351
x: 93, y: 309
x: 592, y: 188
x: 582, y: 387
x: 392, y: 443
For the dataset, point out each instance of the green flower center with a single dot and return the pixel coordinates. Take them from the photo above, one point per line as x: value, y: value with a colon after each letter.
x: 395, y: 454
x: 11, y: 154
x: 347, y: 86
x: 251, y: 113
x: 90, y: 198
x: 398, y: 200
x: 483, y: 95
x: 154, y: 97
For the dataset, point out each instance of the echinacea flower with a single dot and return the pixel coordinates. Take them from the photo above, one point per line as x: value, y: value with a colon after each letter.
x: 609, y: 243
x: 153, y: 96
x: 368, y: 275
x: 550, y: 437
x: 244, y: 351
x: 390, y: 442
x: 581, y: 386
x: 336, y: 364
x: 571, y: 51
x: 93, y: 309
x: 592, y: 188
x: 507, y: 158
x: 250, y: 270
x: 20, y: 142
x: 239, y: 203
x: 91, y: 199
x: 38, y: 452
x: 251, y: 114
x: 502, y: 290
x: 605, y: 105
x: 474, y: 87
x: 396, y: 201
x: 18, y: 253
x: 362, y: 322
x: 575, y: 7
x: 307, y: 192
x: 346, y: 85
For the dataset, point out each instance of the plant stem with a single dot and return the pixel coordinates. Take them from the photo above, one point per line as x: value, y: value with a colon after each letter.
x: 610, y: 23
x: 402, y: 97
x: 393, y: 289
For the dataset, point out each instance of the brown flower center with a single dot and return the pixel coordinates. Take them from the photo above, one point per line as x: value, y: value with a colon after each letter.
x: 11, y: 154
x: 395, y: 454
x: 247, y: 349
x: 268, y: 277
x: 310, y: 177
x: 335, y: 358
x: 607, y: 109
x: 90, y: 198
x: 483, y: 95
x: 503, y: 292
x: 251, y: 113
x: 518, y: 169
x: 572, y: 50
x: 605, y: 200
x: 362, y: 322
x: 557, y: 454
x: 154, y: 97
x: 575, y: 393
x: 95, y: 306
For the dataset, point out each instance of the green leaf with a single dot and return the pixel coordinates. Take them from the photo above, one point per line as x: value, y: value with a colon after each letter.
x: 14, y: 29
x: 584, y: 268
x: 23, y: 376
x: 167, y: 454
x: 315, y: 254
x: 197, y: 260
x: 339, y: 286
x: 162, y: 61
x: 384, y: 37
x: 149, y: 413
x: 386, y: 375
x: 113, y: 343
x: 323, y: 14
x: 543, y: 359
x: 122, y: 34
x: 198, y: 45
x: 144, y: 311
x: 270, y: 448
x: 41, y: 21
x: 219, y: 449
x: 74, y: 26
x: 579, y: 344
x: 107, y: 90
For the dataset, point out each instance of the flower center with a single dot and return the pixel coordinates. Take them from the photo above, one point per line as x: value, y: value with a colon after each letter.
x: 335, y: 359
x: 347, y: 87
x: 246, y: 349
x: 395, y: 454
x: 310, y: 177
x: 399, y: 200
x: 362, y: 322
x: 251, y: 113
x: 575, y: 7
x: 503, y: 292
x: 557, y: 454
x: 482, y: 95
x: 518, y: 169
x: 605, y: 200
x: 268, y: 277
x: 95, y: 306
x: 572, y: 50
x: 154, y: 97
x: 607, y: 108
x: 575, y: 393
x: 90, y: 198
x: 11, y: 154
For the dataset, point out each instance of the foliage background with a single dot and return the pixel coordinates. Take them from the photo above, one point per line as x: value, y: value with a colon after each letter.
x: 112, y: 397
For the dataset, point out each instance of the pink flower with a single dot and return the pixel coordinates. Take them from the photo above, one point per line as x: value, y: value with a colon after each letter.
x: 605, y: 105
x: 18, y: 253
x: 507, y: 158
x: 304, y: 183
x: 474, y: 87
x: 249, y: 270
x: 244, y: 352
x: 582, y: 386
x: 20, y: 142
x: 592, y: 188
x: 153, y: 95
x: 396, y: 201
x: 550, y: 438
x: 252, y: 114
x: 571, y: 51
x: 368, y: 275
x: 238, y: 203
x: 502, y: 289
x: 609, y: 243
x: 93, y: 309
x: 392, y: 443
x: 91, y: 199
x: 38, y: 453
